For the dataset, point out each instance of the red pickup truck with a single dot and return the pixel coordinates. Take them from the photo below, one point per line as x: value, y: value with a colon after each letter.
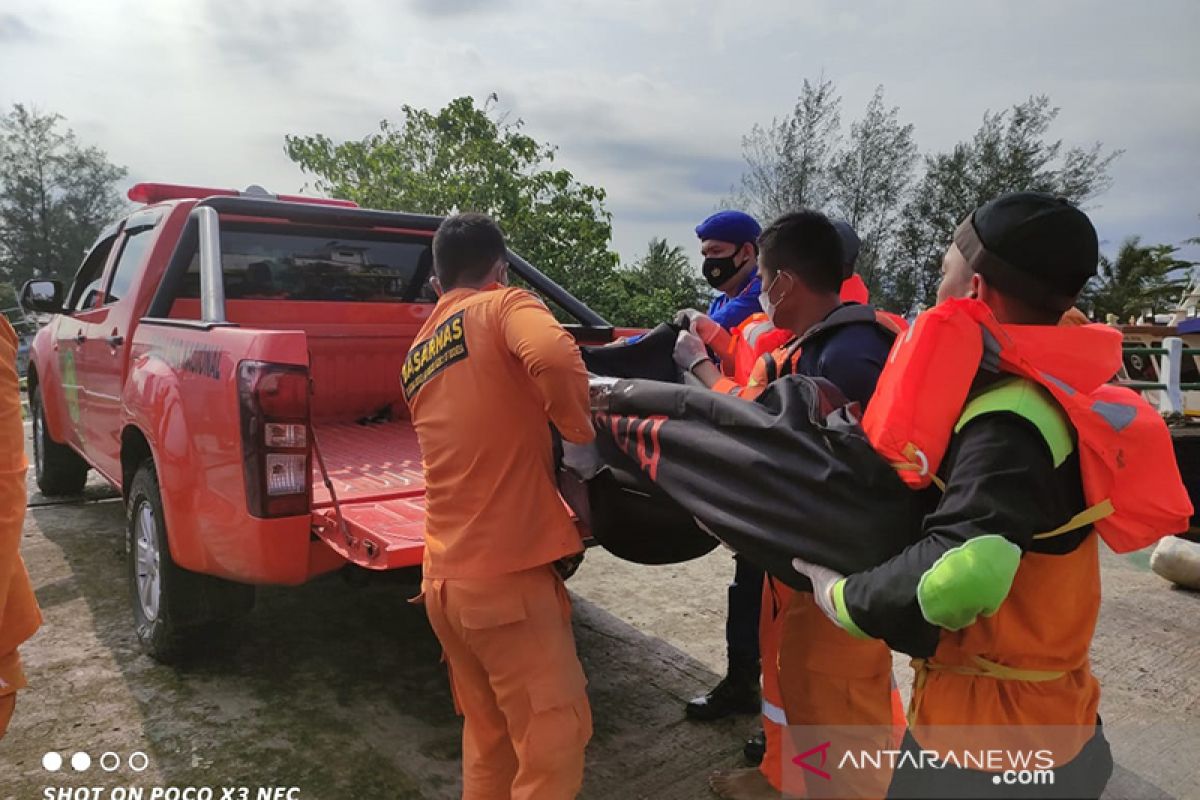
x: 230, y: 361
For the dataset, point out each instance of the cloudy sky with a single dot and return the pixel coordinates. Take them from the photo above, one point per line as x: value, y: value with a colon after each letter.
x: 647, y: 98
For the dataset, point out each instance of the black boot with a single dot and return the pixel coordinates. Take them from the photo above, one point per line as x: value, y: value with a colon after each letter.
x: 737, y: 693
x: 755, y: 748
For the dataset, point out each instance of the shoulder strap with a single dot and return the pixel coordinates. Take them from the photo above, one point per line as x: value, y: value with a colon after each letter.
x: 791, y: 357
x: 770, y: 367
x: 1030, y: 402
x: 847, y: 314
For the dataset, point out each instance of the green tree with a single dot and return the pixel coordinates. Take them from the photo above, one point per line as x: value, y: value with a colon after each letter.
x: 803, y: 160
x: 1010, y: 152
x: 466, y: 157
x: 656, y: 286
x: 1140, y: 279
x: 870, y: 180
x: 55, y: 196
x: 788, y: 162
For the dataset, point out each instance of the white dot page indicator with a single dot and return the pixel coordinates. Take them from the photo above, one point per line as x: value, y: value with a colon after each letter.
x: 52, y: 762
x: 80, y: 762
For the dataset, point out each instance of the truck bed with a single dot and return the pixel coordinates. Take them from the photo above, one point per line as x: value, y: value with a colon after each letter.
x: 376, y: 474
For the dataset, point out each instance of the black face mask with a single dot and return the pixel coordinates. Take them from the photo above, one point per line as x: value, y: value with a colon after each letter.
x: 718, y: 271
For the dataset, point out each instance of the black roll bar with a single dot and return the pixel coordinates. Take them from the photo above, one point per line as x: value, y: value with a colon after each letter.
x: 201, y: 231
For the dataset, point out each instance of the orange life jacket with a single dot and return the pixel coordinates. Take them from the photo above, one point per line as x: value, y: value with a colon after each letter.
x: 784, y: 357
x: 1130, y: 478
x: 756, y: 335
x: 855, y: 291
x: 753, y: 339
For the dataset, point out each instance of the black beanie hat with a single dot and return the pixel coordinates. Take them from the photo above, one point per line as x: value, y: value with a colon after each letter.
x: 850, y: 246
x: 1034, y: 246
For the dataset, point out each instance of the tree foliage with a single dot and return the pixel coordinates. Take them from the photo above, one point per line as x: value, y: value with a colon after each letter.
x: 804, y: 160
x: 466, y: 157
x: 1140, y: 279
x: 55, y: 196
x: 788, y: 162
x: 869, y: 178
x: 656, y: 285
x: 1010, y: 152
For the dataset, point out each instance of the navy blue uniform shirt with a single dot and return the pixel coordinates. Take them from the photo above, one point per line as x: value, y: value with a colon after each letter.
x: 849, y: 356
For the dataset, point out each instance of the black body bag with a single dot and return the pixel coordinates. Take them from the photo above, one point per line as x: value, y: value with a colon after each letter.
x: 625, y: 512
x: 650, y: 357
x: 791, y: 474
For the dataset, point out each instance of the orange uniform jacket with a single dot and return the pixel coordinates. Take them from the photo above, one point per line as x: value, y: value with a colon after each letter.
x: 19, y: 614
x: 487, y: 375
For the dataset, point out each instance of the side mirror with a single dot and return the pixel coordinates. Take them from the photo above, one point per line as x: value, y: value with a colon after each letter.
x: 45, y: 297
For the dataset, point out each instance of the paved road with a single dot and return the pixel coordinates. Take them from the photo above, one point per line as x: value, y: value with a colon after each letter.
x: 336, y: 689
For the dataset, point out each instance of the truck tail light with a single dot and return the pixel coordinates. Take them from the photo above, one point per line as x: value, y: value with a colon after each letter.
x: 276, y: 458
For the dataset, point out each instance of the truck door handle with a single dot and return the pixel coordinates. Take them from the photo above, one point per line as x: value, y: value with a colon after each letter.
x: 80, y: 338
x: 115, y: 340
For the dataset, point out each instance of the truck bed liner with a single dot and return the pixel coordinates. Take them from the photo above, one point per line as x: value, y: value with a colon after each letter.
x: 376, y: 472
x: 372, y: 461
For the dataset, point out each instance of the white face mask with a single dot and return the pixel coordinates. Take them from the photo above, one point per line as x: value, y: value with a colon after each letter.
x: 764, y: 299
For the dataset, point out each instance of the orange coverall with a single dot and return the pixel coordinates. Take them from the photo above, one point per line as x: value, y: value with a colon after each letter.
x: 814, y: 673
x: 19, y: 614
x: 487, y: 375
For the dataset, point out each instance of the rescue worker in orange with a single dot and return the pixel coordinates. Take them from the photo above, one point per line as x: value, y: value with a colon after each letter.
x: 487, y: 376
x: 19, y: 614
x: 826, y: 677
x: 998, y: 596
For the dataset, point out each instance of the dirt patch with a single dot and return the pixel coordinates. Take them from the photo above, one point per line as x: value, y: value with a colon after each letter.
x: 330, y: 687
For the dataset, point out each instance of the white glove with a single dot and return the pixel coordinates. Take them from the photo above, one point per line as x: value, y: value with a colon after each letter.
x: 700, y: 324
x: 823, y: 580
x: 689, y: 350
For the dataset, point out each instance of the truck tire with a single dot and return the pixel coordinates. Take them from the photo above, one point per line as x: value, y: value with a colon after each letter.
x: 176, y: 611
x: 58, y: 468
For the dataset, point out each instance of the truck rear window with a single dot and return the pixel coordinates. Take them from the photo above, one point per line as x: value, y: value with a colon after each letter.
x: 273, y: 262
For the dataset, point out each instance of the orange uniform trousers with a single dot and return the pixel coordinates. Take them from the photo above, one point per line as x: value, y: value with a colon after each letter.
x: 517, y: 681
x: 819, y: 675
x: 770, y: 631
x: 829, y: 678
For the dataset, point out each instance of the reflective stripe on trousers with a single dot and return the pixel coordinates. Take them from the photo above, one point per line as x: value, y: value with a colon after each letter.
x: 774, y: 713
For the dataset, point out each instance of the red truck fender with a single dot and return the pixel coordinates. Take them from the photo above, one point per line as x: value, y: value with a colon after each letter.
x: 153, y: 410
x: 44, y: 369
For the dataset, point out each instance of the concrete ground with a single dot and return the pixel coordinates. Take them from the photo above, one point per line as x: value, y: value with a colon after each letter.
x: 336, y: 689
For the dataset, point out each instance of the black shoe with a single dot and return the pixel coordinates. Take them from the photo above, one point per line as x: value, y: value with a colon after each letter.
x: 755, y: 748
x: 733, y: 695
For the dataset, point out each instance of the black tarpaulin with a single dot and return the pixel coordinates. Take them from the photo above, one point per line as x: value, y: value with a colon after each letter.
x: 785, y: 476
x: 650, y: 357
x: 625, y: 511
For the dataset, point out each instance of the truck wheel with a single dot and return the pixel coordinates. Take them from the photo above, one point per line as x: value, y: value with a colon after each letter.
x: 175, y: 611
x: 58, y: 468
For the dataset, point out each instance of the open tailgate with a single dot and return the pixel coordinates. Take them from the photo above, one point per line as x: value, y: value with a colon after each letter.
x: 376, y: 474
